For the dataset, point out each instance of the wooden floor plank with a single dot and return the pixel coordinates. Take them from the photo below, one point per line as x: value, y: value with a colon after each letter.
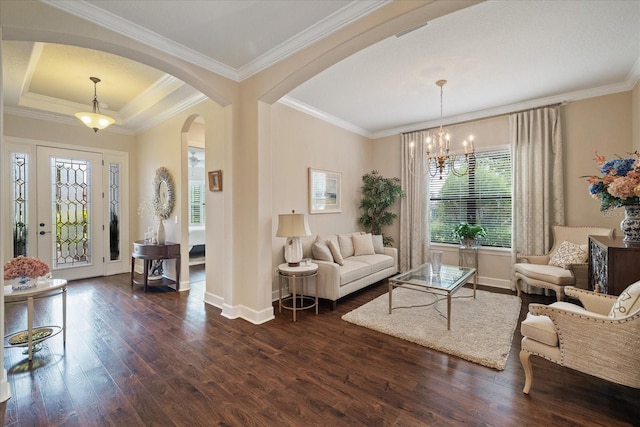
x: 166, y: 358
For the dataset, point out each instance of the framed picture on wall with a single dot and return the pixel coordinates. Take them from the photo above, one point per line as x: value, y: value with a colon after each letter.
x: 324, y: 191
x: 215, y: 180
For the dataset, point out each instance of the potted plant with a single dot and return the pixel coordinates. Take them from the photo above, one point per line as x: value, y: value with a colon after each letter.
x: 468, y: 234
x: 378, y: 195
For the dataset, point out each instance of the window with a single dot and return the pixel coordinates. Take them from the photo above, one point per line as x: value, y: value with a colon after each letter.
x: 482, y: 197
x: 196, y: 202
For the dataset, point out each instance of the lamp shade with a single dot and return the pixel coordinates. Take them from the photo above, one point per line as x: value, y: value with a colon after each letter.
x: 293, y: 225
x: 95, y: 121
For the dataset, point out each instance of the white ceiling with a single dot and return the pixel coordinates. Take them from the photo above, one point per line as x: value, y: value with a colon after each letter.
x: 497, y: 56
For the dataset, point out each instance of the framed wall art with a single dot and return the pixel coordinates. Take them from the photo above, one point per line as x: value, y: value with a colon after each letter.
x: 324, y: 191
x: 215, y: 180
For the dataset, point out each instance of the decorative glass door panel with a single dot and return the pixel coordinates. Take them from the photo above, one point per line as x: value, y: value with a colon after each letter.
x: 70, y: 222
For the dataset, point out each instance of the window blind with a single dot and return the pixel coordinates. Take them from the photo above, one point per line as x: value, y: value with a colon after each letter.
x: 482, y: 197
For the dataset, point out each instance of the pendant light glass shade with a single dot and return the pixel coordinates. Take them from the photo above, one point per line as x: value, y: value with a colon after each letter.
x: 95, y: 120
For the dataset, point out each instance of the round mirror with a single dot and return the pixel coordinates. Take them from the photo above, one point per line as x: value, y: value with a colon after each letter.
x: 163, y: 193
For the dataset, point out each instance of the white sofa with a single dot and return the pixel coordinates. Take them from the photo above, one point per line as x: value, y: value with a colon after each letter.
x: 355, y: 261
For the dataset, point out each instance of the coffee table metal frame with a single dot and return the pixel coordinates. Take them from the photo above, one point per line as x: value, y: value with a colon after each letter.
x: 422, y: 278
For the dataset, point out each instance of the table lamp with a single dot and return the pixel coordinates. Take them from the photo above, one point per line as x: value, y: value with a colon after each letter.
x: 293, y: 226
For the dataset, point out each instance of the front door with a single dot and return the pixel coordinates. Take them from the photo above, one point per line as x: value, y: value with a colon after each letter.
x: 70, y: 225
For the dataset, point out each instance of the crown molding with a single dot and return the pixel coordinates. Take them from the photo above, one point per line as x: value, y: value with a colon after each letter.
x: 129, y: 29
x: 508, y: 109
x: 307, y: 109
x: 168, y: 113
x: 60, y: 119
x: 625, y: 86
x: 348, y: 14
x: 339, y: 19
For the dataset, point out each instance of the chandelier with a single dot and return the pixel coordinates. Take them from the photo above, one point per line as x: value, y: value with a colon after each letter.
x: 95, y: 120
x: 441, y: 160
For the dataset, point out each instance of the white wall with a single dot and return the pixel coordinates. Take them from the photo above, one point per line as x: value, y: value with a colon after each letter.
x: 165, y: 145
x: 301, y: 142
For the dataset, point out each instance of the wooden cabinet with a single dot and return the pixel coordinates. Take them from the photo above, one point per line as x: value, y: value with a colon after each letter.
x: 613, y: 265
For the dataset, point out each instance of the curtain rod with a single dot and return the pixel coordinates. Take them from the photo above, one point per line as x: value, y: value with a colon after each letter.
x: 557, y: 104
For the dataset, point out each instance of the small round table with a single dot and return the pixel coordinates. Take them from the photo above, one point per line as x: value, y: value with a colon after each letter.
x: 44, y: 289
x: 303, y: 272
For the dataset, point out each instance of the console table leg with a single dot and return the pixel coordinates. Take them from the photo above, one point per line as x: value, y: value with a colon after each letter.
x: 30, y: 327
x: 64, y: 317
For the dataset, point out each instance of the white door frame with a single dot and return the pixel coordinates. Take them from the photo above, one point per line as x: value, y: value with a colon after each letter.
x: 13, y: 144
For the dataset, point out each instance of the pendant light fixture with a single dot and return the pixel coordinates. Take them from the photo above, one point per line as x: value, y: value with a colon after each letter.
x: 95, y: 120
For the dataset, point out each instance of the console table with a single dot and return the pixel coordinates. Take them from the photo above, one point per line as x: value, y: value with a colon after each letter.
x: 613, y: 264
x: 149, y: 252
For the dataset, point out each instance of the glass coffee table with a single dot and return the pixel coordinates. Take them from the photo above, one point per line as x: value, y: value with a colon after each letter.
x: 423, y: 279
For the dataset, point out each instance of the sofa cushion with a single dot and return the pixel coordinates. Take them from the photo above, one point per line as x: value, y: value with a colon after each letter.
x: 353, y: 270
x: 346, y: 245
x: 378, y: 243
x: 627, y: 303
x: 363, y: 244
x: 376, y: 261
x: 320, y: 251
x: 335, y: 251
x: 539, y: 328
x: 568, y: 253
x: 546, y: 273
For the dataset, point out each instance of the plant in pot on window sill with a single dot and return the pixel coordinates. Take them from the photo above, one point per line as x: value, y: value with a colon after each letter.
x: 469, y: 234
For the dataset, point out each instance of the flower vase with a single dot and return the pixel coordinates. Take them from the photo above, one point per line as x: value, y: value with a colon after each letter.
x: 161, y: 234
x: 630, y: 225
x: 23, y: 282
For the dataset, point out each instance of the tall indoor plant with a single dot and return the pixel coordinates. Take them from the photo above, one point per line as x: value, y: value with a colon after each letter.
x: 378, y: 195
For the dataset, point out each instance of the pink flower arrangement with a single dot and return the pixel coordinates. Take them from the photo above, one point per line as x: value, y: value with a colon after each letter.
x: 25, y: 266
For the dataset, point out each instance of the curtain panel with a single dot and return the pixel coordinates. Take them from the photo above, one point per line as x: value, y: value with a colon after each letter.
x: 538, y: 197
x: 414, y: 213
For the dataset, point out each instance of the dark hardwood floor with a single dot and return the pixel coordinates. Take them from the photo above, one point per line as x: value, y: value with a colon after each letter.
x: 165, y: 358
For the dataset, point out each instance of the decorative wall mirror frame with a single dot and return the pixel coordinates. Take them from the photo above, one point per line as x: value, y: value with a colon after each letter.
x: 163, y: 193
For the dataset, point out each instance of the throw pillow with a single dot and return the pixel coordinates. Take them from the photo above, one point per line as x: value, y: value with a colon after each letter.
x: 346, y: 245
x: 363, y: 244
x: 378, y: 244
x: 627, y: 303
x: 321, y: 251
x: 335, y: 251
x: 568, y: 253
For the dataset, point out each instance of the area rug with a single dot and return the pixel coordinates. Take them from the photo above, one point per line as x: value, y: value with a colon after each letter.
x: 481, y: 329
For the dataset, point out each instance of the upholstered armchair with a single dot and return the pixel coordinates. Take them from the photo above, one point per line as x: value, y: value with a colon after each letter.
x: 564, y: 265
x: 601, y: 338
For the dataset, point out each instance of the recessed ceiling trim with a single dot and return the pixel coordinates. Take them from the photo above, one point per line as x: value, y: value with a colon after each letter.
x: 51, y: 104
x: 127, y: 28
x: 61, y: 119
x: 36, y: 53
x: 337, y: 20
x: 159, y: 90
x: 307, y: 109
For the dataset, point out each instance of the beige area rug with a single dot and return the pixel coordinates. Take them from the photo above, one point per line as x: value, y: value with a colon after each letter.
x: 481, y: 329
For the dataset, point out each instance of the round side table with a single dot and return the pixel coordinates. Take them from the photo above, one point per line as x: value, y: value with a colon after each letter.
x: 295, y: 302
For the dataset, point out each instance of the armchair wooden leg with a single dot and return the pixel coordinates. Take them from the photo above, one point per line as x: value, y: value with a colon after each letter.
x: 518, y: 287
x: 528, y: 372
